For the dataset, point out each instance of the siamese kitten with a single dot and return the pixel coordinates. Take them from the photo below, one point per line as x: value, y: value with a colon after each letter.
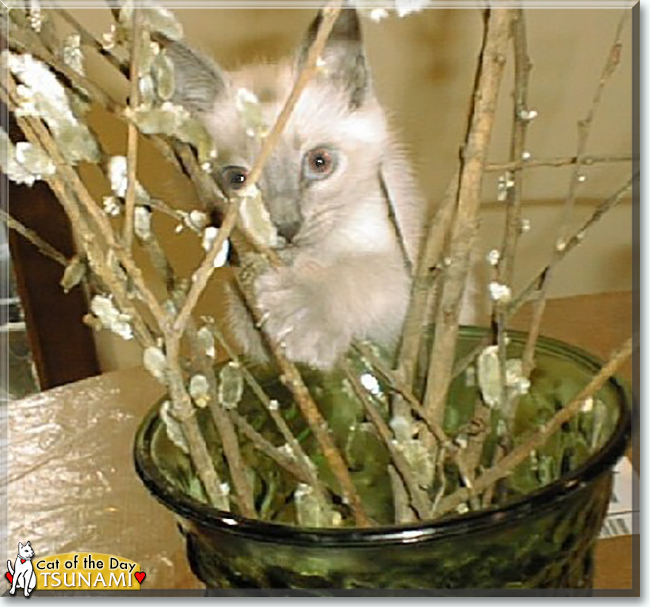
x: 329, y: 187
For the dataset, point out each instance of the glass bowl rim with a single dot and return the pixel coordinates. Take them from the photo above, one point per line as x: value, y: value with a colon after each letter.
x: 206, y: 516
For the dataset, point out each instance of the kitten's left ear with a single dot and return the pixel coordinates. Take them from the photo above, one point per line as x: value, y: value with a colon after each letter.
x: 345, y: 60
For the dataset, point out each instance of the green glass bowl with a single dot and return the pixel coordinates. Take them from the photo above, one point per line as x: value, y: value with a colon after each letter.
x: 537, y: 541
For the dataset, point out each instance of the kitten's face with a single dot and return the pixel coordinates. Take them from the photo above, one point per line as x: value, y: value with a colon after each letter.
x: 326, y: 161
x: 328, y: 157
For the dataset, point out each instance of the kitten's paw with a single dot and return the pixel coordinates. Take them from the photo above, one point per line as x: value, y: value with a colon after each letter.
x: 297, y: 316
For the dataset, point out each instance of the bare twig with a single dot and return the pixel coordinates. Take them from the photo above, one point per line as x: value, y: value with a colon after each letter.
x: 534, y: 163
x: 584, y: 130
x: 44, y: 247
x: 537, y: 439
x: 264, y: 446
x: 403, y: 512
x: 520, y: 123
x: 520, y: 120
x: 417, y: 316
x: 576, y: 238
x: 465, y: 223
x: 132, y: 129
x: 330, y: 15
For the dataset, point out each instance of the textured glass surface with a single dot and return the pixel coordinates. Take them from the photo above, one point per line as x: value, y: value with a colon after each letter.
x: 541, y: 537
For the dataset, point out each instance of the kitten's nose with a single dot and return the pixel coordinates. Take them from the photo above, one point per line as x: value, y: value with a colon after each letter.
x: 288, y: 230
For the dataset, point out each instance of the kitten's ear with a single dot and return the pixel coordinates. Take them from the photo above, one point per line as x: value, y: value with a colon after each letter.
x: 20, y: 546
x: 198, y: 80
x: 345, y: 60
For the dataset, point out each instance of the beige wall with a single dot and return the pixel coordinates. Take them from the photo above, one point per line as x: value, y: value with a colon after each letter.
x: 423, y: 68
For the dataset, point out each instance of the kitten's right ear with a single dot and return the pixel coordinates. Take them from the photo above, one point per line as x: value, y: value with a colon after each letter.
x: 198, y: 80
x: 346, y: 61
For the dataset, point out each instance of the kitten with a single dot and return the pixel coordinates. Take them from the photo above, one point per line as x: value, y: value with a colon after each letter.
x: 328, y: 186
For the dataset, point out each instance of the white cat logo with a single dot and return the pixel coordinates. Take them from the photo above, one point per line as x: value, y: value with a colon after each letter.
x: 22, y: 575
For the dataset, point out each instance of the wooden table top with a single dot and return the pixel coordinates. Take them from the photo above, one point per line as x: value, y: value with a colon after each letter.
x: 72, y: 485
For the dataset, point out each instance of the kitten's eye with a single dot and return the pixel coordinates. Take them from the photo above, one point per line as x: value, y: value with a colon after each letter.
x: 233, y: 178
x: 318, y: 163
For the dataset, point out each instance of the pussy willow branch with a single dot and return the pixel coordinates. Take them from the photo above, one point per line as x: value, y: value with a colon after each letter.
x: 537, y: 439
x: 239, y: 471
x: 169, y: 150
x: 301, y: 467
x: 132, y: 130
x: 404, y: 390
x: 183, y: 411
x: 302, y: 459
x: 202, y: 363
x: 67, y: 176
x: 99, y: 220
x: 95, y: 92
x: 202, y: 275
x: 418, y: 498
x: 535, y: 163
x: 584, y: 130
x: 26, y: 41
x: 576, y: 238
x: 68, y: 196
x: 469, y: 197
x: 88, y: 39
x: 44, y: 247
